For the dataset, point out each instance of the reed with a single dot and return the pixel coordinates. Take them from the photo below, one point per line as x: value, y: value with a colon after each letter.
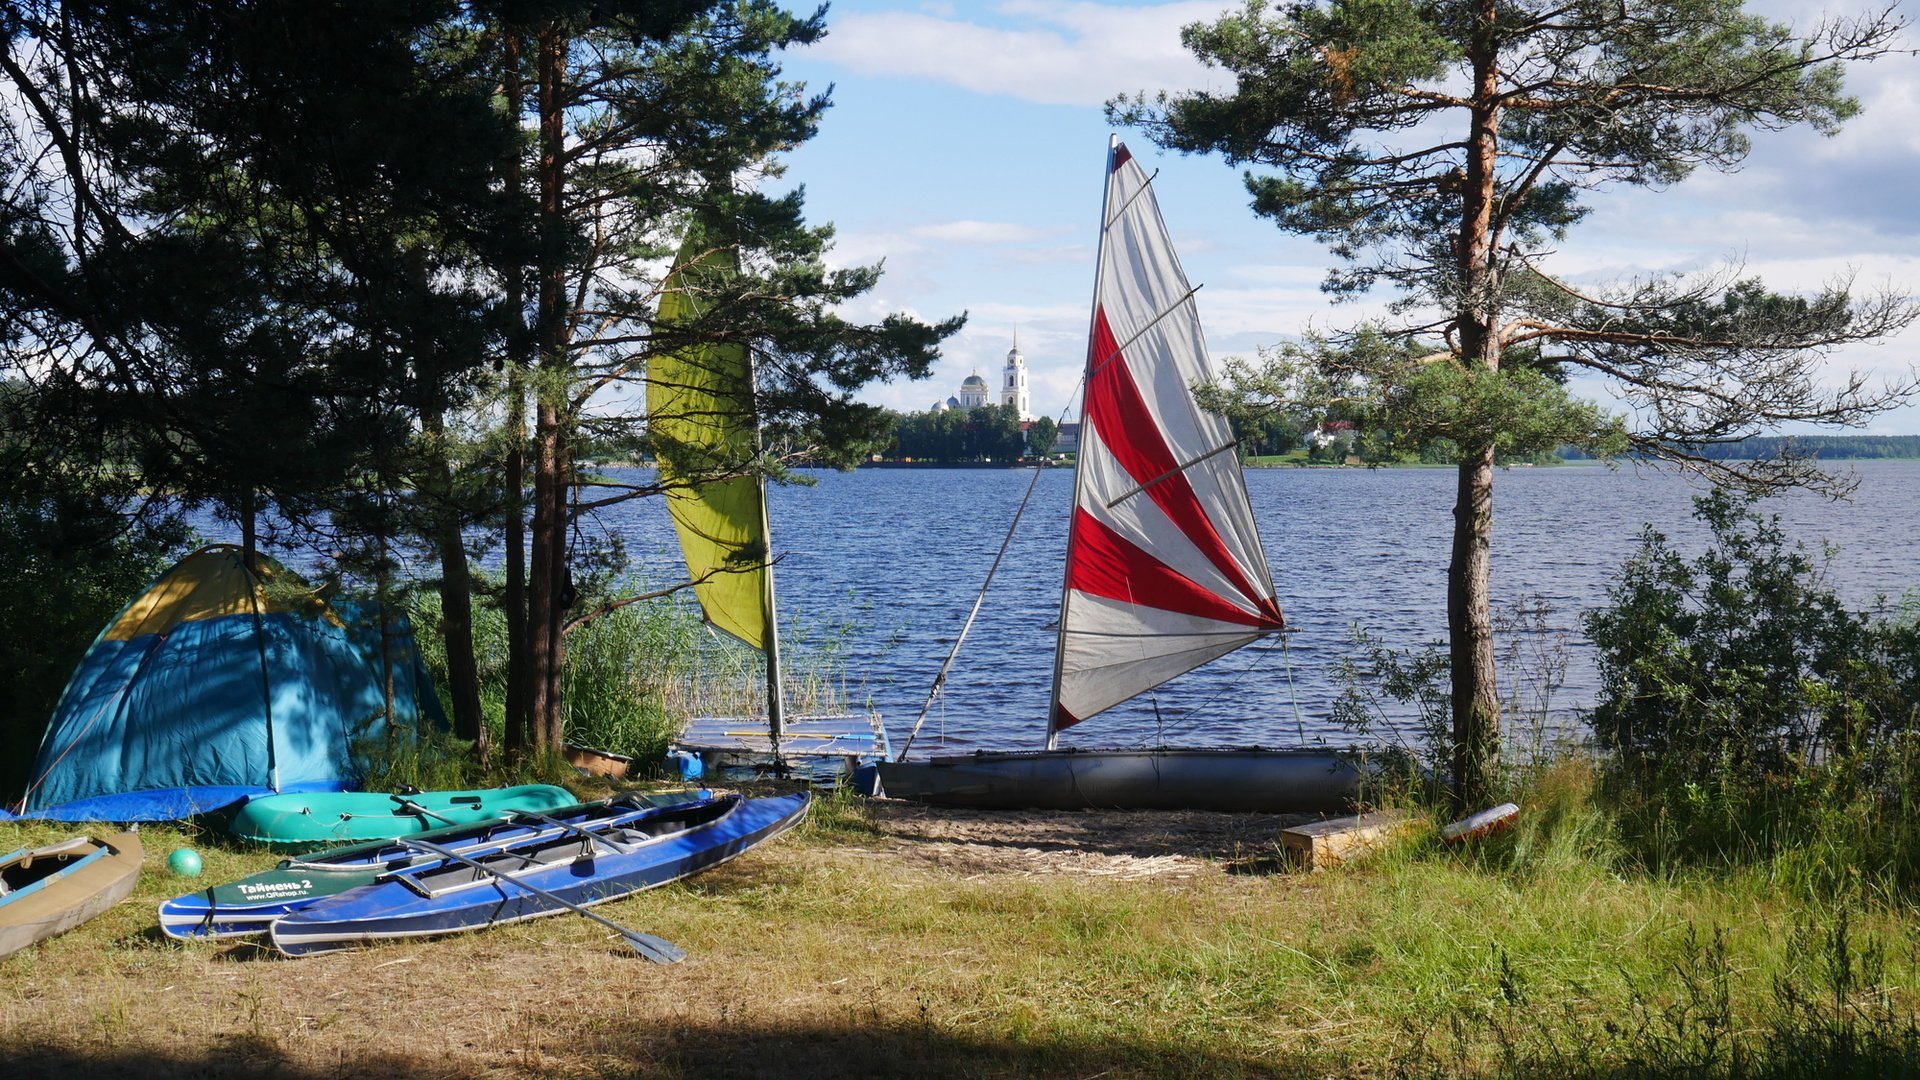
x: 631, y: 678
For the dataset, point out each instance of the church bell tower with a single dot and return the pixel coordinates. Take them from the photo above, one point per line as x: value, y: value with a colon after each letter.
x: 1013, y: 387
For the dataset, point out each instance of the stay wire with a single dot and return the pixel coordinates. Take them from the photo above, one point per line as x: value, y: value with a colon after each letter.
x: 1293, y: 699
x: 940, y: 679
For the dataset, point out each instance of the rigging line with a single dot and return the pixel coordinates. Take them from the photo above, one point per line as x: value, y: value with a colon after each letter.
x: 1120, y: 349
x: 1176, y: 471
x: 940, y: 680
x: 1293, y: 699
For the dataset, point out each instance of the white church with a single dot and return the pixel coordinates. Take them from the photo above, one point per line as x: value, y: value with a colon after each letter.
x: 1013, y: 388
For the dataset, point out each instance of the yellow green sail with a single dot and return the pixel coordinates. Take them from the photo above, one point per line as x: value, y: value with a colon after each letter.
x: 700, y: 415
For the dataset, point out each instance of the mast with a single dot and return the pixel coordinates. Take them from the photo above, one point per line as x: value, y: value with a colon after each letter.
x: 776, y: 693
x: 1080, y: 474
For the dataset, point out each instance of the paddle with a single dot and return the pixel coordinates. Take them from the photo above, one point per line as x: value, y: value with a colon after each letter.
x: 408, y: 806
x: 568, y: 826
x: 657, y: 949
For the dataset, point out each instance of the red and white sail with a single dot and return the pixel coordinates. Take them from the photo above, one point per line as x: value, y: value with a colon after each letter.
x: 1164, y: 566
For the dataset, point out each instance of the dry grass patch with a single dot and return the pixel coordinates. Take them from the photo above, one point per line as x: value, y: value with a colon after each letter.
x: 903, y: 941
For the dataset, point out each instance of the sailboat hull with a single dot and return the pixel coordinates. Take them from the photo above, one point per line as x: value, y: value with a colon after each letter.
x: 1235, y: 780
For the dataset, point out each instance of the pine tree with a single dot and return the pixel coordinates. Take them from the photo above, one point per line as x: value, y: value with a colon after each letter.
x: 1442, y: 148
x: 647, y: 118
x: 254, y: 269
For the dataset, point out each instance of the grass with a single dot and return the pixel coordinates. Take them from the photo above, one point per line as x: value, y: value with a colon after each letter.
x: 844, y: 949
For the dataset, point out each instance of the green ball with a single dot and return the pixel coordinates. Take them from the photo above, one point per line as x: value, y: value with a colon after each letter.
x: 185, y: 862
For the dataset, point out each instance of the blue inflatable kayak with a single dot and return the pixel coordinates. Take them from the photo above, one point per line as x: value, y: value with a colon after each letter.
x: 544, y: 876
x: 251, y: 904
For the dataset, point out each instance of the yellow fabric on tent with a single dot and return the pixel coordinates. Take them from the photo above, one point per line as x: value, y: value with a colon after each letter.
x: 210, y: 583
x: 700, y: 415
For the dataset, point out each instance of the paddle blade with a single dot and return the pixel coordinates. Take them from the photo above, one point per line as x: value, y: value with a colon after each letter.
x: 657, y: 949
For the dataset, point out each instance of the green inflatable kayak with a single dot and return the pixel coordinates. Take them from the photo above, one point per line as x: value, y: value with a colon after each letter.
x: 335, y: 817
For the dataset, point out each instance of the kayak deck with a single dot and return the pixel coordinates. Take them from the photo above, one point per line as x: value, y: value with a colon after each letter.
x: 331, y: 818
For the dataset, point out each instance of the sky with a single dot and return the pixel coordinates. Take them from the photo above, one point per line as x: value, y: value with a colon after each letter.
x: 966, y: 145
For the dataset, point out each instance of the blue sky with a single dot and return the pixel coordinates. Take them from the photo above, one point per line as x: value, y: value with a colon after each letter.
x: 966, y: 144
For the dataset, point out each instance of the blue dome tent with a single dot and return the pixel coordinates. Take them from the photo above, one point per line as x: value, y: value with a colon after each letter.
x: 218, y: 683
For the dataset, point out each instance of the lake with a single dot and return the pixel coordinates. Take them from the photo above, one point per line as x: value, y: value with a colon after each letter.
x: 888, y: 562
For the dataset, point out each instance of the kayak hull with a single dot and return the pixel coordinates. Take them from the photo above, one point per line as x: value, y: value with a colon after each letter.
x: 52, y: 889
x: 250, y: 905
x: 449, y: 897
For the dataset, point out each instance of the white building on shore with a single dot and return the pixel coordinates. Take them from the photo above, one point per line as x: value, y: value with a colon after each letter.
x: 1014, y: 389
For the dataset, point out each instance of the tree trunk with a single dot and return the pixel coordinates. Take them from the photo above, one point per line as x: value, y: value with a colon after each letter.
x: 1476, y: 699
x: 547, y: 567
x: 443, y: 523
x: 456, y: 629
x: 519, y: 696
x: 456, y: 592
x: 548, y: 563
x: 519, y: 725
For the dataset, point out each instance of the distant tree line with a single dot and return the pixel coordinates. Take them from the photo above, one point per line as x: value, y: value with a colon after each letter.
x: 1831, y: 447
x: 993, y: 433
x: 955, y: 436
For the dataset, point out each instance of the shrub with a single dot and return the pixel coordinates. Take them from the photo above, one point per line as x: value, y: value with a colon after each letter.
x: 631, y: 676
x: 1746, y: 713
x: 619, y: 671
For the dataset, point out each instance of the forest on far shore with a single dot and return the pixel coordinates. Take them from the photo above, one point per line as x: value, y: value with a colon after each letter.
x: 1828, y: 447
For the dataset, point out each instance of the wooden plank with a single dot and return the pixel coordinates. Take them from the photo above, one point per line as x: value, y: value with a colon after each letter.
x: 1320, y: 845
x: 597, y: 762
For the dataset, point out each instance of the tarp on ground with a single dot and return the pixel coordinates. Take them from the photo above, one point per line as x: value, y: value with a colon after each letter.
x: 219, y: 683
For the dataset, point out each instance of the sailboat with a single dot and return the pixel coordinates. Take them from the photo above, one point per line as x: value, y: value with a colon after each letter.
x: 1164, y: 569
x: 701, y: 417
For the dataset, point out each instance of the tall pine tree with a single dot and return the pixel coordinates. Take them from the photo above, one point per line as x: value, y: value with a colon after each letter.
x: 649, y: 117
x: 1443, y: 148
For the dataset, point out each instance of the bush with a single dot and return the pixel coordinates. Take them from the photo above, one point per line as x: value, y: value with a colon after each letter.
x: 630, y: 677
x: 1405, y: 695
x: 619, y: 672
x: 1746, y: 713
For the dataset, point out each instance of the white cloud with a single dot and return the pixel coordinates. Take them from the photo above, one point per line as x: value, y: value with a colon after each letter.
x: 1080, y: 255
x: 1889, y: 93
x: 931, y: 242
x: 978, y: 232
x: 1051, y: 53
